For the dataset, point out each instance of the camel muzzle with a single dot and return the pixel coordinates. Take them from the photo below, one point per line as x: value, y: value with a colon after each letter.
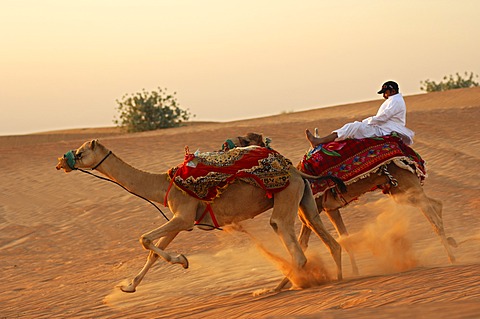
x: 67, y: 162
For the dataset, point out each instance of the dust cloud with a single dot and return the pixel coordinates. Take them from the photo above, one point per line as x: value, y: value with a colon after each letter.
x: 387, y: 239
x: 314, y: 273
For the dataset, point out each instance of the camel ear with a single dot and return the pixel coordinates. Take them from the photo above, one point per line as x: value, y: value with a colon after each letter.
x: 93, y: 144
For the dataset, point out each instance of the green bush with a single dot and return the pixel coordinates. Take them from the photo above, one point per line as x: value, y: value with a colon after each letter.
x: 146, y: 111
x: 450, y: 83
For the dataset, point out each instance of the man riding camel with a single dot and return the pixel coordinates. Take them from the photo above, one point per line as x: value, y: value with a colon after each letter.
x: 391, y: 117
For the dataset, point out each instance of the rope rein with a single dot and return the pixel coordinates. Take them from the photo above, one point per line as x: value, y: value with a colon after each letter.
x: 112, y: 181
x: 158, y: 208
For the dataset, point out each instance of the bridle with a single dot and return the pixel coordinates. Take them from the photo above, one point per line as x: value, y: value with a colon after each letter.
x: 99, y: 163
x: 71, y: 158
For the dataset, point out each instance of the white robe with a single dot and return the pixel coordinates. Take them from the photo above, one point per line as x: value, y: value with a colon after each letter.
x: 391, y: 117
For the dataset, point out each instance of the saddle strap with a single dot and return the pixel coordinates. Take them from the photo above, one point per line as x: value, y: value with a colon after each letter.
x: 208, y: 209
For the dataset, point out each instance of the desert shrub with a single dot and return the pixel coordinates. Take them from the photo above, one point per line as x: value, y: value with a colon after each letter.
x: 450, y: 83
x: 146, y: 111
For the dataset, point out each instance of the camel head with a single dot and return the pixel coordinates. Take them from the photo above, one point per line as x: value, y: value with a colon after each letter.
x: 89, y: 155
x: 246, y: 140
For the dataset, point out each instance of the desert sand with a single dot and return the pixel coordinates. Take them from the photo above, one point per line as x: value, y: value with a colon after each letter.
x: 67, y: 240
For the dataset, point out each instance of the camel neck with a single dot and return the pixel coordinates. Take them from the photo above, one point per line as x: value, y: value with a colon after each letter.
x: 148, y: 185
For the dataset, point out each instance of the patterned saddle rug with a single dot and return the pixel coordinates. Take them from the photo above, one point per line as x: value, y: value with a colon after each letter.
x: 205, y: 175
x: 354, y: 159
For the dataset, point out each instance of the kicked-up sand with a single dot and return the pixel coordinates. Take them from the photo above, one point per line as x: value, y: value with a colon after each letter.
x: 68, y: 240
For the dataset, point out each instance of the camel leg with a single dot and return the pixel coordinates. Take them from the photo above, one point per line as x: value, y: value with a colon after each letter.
x: 315, y: 224
x: 175, y: 225
x: 432, y: 209
x: 303, y: 240
x: 310, y: 218
x: 304, y: 236
x: 151, y: 259
x: 337, y: 221
x: 308, y: 209
x: 283, y: 220
x: 285, y: 230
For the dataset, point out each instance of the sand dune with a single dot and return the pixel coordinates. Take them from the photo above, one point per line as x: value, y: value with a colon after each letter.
x: 66, y: 241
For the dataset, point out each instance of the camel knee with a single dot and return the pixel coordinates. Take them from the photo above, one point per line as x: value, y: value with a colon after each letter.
x: 145, y: 242
x: 282, y: 227
x: 274, y: 226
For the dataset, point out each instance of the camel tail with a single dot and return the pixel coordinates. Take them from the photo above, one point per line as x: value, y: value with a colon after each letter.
x: 340, y: 184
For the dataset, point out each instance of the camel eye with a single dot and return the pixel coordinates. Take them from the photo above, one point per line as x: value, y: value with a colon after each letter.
x: 79, y: 155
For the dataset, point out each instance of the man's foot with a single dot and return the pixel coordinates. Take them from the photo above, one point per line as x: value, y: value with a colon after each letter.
x: 314, y: 141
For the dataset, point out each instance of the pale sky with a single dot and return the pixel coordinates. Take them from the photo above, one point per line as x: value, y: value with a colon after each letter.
x: 63, y: 63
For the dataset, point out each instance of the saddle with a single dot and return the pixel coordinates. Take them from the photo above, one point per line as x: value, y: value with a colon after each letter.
x: 354, y: 159
x: 205, y: 175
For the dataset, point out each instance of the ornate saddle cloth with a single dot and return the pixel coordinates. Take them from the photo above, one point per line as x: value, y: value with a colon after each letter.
x: 354, y: 159
x: 206, y: 175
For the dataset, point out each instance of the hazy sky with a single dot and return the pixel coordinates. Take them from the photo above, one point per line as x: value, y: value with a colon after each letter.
x: 64, y: 63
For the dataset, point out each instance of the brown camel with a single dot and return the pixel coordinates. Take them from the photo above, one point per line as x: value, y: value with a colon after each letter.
x: 409, y: 191
x: 230, y: 207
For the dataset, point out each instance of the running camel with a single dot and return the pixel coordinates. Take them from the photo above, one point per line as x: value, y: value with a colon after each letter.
x: 230, y: 207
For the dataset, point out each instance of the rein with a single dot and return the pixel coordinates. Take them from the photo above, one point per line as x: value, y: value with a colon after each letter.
x: 70, y: 157
x: 112, y: 181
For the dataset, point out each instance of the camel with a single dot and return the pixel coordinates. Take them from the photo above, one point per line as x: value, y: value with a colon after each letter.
x: 408, y: 191
x: 399, y: 183
x: 239, y: 201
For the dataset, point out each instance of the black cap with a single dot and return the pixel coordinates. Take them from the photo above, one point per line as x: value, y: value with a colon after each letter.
x: 389, y: 85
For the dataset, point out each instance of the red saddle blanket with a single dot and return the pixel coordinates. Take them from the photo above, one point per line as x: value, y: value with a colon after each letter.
x: 353, y: 159
x: 206, y: 175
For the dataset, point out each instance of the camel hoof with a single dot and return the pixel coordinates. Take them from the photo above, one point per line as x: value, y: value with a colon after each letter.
x: 264, y: 291
x: 128, y: 289
x: 452, y: 242
x: 184, y: 264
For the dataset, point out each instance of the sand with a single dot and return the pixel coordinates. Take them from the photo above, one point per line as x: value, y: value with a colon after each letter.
x: 67, y: 240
